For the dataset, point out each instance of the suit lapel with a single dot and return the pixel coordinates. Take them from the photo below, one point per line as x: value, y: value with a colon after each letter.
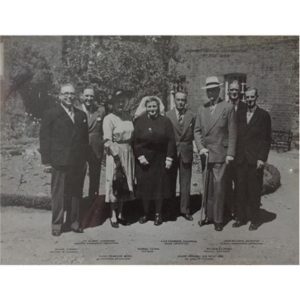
x: 254, y: 118
x: 215, y: 116
x: 174, y: 121
x: 186, y: 122
x: 66, y: 116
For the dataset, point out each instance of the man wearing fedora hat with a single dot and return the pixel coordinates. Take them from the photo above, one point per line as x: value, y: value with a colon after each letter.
x: 215, y: 134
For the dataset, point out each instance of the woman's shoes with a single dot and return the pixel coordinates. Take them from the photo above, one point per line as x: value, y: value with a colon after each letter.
x: 143, y: 219
x: 114, y: 224
x: 158, y: 220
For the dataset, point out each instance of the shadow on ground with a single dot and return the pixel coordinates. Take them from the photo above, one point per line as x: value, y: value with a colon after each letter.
x: 95, y: 213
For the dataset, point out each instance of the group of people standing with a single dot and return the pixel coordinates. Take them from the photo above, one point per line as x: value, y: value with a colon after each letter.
x: 145, y: 154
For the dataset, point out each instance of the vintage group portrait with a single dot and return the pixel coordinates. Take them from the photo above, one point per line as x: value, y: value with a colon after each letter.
x: 149, y: 150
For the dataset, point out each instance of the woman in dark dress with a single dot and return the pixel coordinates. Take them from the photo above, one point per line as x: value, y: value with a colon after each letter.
x: 154, y: 149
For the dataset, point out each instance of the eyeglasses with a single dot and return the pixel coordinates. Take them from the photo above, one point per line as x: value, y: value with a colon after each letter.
x: 251, y: 97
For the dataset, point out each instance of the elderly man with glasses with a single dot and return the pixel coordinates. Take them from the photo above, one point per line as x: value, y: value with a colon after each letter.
x: 63, y: 146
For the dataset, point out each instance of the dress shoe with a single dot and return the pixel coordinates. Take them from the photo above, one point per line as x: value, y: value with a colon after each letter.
x: 253, y: 226
x: 218, y: 226
x: 123, y: 222
x: 143, y: 219
x: 158, y: 220
x: 56, y: 233
x: 114, y: 224
x: 238, y: 224
x: 204, y: 222
x: 188, y: 217
x: 77, y: 230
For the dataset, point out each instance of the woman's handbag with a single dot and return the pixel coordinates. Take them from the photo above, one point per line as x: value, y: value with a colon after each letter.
x: 120, y: 185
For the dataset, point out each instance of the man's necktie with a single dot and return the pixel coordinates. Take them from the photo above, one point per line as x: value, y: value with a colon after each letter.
x: 180, y: 119
x: 71, y: 114
x: 212, y: 107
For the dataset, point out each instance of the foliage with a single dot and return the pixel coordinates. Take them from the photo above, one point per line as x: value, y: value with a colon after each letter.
x: 35, y: 69
x: 30, y: 74
x: 138, y: 64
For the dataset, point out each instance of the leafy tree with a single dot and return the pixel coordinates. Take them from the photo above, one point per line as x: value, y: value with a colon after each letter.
x: 30, y: 74
x: 138, y: 64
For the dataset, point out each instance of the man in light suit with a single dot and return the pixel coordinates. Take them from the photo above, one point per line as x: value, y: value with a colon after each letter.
x: 252, y: 152
x: 215, y: 135
x: 95, y: 115
x: 63, y: 147
x: 183, y: 121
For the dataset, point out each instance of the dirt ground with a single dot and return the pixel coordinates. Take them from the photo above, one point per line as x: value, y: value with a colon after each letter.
x: 26, y: 236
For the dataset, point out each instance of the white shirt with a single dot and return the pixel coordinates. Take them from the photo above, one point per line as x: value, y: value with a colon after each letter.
x: 70, y: 112
x: 212, y: 108
x: 236, y: 104
x: 250, y: 114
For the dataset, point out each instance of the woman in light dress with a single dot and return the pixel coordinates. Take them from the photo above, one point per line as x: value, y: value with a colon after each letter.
x: 117, y: 136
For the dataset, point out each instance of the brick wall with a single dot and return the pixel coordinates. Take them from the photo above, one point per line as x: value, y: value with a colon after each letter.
x: 271, y: 65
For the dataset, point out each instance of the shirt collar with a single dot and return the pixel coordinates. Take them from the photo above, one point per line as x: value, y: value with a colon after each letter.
x: 68, y: 110
x: 178, y: 113
x: 252, y: 110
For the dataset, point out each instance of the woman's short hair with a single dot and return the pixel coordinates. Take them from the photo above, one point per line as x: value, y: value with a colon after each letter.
x: 152, y: 99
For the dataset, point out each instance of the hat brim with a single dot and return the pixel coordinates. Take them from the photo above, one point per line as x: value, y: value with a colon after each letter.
x: 121, y: 97
x: 211, y: 86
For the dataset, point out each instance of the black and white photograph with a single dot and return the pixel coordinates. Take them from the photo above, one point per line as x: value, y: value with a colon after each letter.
x: 149, y: 150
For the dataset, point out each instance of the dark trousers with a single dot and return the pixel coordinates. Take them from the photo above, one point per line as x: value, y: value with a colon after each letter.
x: 66, y: 191
x: 249, y: 186
x: 216, y: 192
x: 185, y: 174
x: 94, y: 165
x: 230, y: 195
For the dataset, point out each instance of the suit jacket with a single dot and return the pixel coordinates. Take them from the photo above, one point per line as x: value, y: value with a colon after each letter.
x: 241, y: 110
x: 217, y: 132
x: 254, y: 139
x: 62, y: 142
x: 183, y: 136
x: 95, y: 128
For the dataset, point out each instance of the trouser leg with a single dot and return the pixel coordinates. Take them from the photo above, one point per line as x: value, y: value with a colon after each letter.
x: 219, y: 184
x: 73, y: 194
x: 255, y: 181
x: 185, y: 174
x: 57, y: 193
x: 94, y: 164
x: 210, y: 194
x: 230, y: 205
x: 241, y: 191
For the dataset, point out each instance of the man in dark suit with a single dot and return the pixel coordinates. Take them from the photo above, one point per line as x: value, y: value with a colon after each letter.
x: 253, y: 148
x: 63, y: 146
x: 95, y: 115
x: 183, y: 121
x: 215, y: 135
x: 234, y: 93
